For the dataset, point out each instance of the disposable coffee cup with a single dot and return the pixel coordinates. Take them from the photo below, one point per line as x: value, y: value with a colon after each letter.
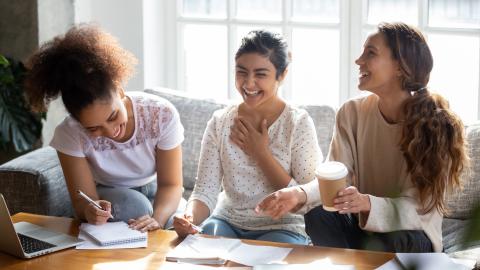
x: 331, y: 178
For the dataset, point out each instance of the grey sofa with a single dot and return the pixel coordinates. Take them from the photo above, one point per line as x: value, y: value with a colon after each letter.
x: 34, y: 182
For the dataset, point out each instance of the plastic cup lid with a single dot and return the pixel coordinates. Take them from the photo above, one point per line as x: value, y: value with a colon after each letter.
x: 331, y: 170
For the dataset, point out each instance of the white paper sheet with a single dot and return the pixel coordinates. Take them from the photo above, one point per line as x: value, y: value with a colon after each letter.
x: 187, y: 266
x: 423, y: 261
x: 195, y: 246
x: 253, y: 255
x: 198, y: 249
x: 89, y: 243
x: 315, y: 265
x: 390, y: 265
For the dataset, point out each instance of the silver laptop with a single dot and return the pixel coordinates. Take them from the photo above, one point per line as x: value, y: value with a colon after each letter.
x: 27, y: 240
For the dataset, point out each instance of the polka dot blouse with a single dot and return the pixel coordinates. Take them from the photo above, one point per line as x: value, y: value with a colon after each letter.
x: 231, y: 184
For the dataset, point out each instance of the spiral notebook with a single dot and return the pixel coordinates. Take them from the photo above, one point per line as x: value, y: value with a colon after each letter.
x: 113, y: 233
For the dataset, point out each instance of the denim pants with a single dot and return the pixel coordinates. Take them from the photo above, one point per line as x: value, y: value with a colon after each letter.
x: 131, y: 203
x: 332, y: 229
x: 220, y: 227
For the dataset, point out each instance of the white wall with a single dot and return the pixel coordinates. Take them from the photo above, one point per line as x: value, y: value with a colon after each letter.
x: 55, y: 17
x: 124, y: 19
x: 153, y: 45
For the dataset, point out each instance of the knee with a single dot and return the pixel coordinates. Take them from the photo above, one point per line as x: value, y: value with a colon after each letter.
x: 284, y: 236
x: 313, y: 220
x: 126, y: 203
x: 406, y: 241
x: 309, y: 220
x: 218, y: 227
x: 210, y: 226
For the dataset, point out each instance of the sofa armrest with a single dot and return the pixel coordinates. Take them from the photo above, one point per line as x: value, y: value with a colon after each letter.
x: 34, y: 183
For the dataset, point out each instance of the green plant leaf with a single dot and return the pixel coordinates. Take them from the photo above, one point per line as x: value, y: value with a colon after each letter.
x: 18, y: 125
x: 4, y: 119
x: 20, y: 142
x: 4, y: 127
x: 472, y: 229
x: 3, y: 61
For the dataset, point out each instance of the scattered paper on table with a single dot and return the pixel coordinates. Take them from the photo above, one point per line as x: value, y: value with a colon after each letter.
x: 253, y: 255
x: 202, y: 250
x: 423, y: 261
x: 187, y: 266
x: 315, y: 265
x: 196, y: 249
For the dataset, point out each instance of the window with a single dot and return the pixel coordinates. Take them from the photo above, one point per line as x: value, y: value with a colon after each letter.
x: 325, y: 37
x: 214, y: 29
x: 452, y: 28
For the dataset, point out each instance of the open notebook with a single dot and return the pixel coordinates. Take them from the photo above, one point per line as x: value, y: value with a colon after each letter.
x: 195, y: 249
x: 200, y: 250
x: 112, y: 233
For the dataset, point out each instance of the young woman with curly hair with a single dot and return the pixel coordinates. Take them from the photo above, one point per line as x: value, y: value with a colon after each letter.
x: 121, y: 149
x: 404, y: 150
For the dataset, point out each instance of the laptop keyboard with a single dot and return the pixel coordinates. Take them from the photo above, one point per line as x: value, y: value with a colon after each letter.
x: 31, y: 245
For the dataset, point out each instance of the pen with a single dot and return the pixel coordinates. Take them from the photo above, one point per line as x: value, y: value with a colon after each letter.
x: 83, y: 195
x: 200, y: 230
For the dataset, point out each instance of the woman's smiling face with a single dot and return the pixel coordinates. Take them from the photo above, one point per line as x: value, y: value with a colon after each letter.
x: 107, y: 118
x: 378, y: 70
x: 255, y: 79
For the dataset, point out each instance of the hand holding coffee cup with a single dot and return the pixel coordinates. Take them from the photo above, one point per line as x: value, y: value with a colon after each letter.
x: 331, y: 178
x: 350, y: 200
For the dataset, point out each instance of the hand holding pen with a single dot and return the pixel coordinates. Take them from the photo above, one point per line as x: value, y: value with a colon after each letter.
x: 96, y: 212
x: 183, y: 225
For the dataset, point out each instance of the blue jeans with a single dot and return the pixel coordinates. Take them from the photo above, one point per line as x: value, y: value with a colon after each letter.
x: 220, y: 227
x: 131, y: 203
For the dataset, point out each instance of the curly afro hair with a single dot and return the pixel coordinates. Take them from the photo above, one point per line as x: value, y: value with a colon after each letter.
x: 84, y: 65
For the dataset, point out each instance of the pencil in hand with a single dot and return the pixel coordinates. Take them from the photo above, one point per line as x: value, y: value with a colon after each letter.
x: 88, y: 199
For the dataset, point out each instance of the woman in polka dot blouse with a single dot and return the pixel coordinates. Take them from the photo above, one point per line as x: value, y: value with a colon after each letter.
x: 233, y: 176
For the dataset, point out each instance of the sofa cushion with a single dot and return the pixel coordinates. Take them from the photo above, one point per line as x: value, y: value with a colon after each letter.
x: 324, y: 119
x: 462, y: 202
x: 195, y: 113
x: 34, y: 183
x: 452, y: 231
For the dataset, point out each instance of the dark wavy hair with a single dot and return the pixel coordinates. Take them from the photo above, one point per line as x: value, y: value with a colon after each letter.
x: 433, y: 137
x: 84, y: 65
x: 268, y: 44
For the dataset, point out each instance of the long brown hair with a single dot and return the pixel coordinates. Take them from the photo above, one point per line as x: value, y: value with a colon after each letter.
x: 433, y: 137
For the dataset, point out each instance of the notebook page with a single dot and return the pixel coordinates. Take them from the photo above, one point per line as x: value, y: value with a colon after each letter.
x: 90, y: 243
x: 112, y: 233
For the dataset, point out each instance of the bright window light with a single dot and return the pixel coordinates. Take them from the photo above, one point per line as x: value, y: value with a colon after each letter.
x: 325, y: 37
x: 455, y: 72
x: 205, y: 48
x: 315, y: 66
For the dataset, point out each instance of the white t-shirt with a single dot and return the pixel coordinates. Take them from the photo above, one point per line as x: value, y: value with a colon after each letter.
x: 223, y: 165
x: 130, y: 163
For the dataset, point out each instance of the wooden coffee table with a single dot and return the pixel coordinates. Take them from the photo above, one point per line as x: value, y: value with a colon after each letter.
x: 159, y: 243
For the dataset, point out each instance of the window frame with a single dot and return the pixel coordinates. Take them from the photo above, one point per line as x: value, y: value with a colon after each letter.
x: 352, y: 23
x: 285, y: 24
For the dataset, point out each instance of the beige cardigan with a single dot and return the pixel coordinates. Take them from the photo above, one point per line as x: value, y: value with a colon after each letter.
x: 369, y: 147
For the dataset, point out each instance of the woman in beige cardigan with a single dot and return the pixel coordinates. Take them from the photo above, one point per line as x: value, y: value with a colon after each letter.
x: 403, y: 148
